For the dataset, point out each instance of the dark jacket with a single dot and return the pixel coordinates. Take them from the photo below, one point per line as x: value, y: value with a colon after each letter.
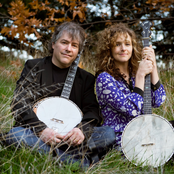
x: 36, y: 83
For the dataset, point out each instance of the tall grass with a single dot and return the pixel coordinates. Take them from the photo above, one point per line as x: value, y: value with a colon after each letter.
x: 25, y: 161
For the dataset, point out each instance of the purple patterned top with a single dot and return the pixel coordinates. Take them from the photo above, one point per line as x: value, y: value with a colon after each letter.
x: 119, y: 104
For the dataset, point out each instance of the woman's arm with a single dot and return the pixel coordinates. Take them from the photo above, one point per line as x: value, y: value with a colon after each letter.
x: 157, y: 90
x: 149, y: 53
x: 117, y: 95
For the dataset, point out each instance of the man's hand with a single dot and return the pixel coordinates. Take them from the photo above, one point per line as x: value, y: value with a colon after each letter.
x: 74, y: 137
x: 50, y: 136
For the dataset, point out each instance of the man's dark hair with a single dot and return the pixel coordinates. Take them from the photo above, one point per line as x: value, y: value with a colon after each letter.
x: 71, y: 28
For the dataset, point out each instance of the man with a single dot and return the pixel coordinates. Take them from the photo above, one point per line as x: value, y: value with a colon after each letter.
x: 42, y: 78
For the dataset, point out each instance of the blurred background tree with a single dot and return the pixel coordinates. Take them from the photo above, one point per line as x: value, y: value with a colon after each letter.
x: 28, y: 24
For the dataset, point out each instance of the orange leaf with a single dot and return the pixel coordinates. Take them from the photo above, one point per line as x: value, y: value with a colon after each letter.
x: 52, y: 29
x: 59, y: 19
x: 81, y: 65
x: 74, y: 14
x: 16, y: 63
x: 84, y: 5
x: 66, y: 3
x: 37, y: 34
x: 154, y: 3
x: 72, y: 5
x: 13, y: 32
x: 61, y: 1
x: 35, y: 4
x: 5, y: 30
x: 3, y: 96
x: 79, y: 13
x: 108, y: 23
x: 34, y: 22
x: 47, y: 2
x: 148, y: 2
x: 68, y: 19
x: 19, y: 21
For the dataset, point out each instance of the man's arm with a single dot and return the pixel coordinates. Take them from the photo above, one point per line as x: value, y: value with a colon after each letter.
x: 25, y: 95
x: 92, y: 115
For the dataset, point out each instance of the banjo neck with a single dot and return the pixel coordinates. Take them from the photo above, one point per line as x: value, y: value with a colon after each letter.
x: 66, y: 91
x: 70, y: 78
x: 147, y: 108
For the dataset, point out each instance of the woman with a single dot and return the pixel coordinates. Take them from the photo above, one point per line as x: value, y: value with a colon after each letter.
x: 120, y: 70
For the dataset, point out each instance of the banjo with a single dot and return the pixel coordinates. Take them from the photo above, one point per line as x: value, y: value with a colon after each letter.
x: 147, y: 139
x: 60, y: 113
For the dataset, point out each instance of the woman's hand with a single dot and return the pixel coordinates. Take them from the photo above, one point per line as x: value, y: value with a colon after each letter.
x: 145, y: 67
x: 149, y: 53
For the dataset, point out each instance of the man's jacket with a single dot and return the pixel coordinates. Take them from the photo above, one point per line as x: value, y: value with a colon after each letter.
x: 36, y: 83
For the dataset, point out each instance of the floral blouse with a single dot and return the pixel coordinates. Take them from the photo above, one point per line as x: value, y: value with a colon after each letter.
x: 120, y: 103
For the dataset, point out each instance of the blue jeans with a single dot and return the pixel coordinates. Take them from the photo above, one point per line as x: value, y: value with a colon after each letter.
x: 102, y: 137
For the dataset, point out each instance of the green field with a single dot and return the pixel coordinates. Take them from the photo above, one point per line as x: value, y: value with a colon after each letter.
x: 23, y: 161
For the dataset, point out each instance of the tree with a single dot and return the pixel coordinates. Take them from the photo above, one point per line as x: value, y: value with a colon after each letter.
x: 38, y: 18
x: 20, y: 19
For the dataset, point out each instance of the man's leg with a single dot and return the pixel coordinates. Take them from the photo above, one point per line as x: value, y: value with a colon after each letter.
x: 101, y: 141
x: 20, y: 136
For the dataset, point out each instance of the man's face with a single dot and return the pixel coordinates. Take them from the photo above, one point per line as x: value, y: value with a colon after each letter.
x: 65, y: 51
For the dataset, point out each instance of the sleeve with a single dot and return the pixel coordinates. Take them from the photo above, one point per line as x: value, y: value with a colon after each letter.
x: 90, y: 107
x: 110, y: 92
x: 158, y: 94
x: 24, y: 97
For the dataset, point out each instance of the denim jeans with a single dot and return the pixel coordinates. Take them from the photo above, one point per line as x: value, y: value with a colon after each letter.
x: 102, y: 137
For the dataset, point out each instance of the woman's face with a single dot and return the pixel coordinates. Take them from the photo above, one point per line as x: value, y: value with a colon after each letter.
x: 122, y: 51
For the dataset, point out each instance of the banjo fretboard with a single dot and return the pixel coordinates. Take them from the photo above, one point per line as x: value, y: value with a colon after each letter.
x: 70, y: 78
x: 147, y: 107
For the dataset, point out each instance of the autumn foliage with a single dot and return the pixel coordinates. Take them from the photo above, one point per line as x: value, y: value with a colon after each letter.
x: 39, y: 17
x: 25, y: 21
x: 163, y: 5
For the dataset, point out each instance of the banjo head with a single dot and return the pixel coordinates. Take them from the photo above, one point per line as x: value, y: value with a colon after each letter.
x: 58, y: 113
x: 148, y: 140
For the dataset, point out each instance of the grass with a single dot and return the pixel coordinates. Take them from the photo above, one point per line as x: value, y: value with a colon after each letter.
x: 25, y: 161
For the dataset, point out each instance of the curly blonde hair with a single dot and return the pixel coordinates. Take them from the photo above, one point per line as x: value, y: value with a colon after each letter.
x: 106, y: 40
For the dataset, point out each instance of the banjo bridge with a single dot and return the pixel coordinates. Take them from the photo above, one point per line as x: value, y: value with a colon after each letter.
x: 57, y: 120
x: 148, y: 144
